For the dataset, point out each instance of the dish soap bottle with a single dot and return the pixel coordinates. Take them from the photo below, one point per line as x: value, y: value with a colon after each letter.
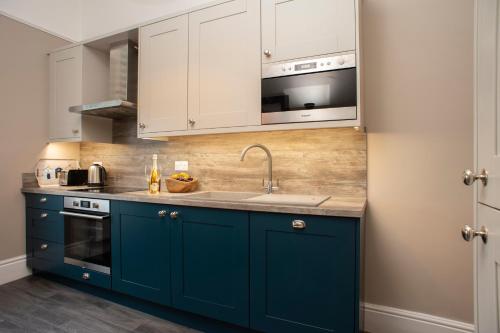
x: 154, y: 179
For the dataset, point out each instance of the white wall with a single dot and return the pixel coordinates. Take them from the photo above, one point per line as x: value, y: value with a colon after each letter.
x: 59, y: 17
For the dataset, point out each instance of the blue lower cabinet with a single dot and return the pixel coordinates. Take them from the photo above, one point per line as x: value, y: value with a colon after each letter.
x: 141, y: 251
x: 45, y: 224
x: 304, y: 273
x: 210, y: 273
x: 46, y: 256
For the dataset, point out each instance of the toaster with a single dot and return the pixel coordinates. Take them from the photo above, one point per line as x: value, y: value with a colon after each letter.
x: 74, y: 177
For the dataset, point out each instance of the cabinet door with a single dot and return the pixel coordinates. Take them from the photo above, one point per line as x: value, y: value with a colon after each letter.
x: 294, y: 29
x: 224, y: 65
x: 303, y: 280
x: 210, y: 263
x: 141, y: 251
x: 65, y: 91
x: 163, y: 70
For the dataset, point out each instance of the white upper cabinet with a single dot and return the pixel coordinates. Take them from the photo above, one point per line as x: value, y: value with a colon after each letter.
x: 294, y: 29
x: 224, y: 65
x: 163, y: 68
x: 65, y: 91
x: 77, y: 75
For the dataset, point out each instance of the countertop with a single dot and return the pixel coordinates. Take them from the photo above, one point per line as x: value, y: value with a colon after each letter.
x: 335, y: 206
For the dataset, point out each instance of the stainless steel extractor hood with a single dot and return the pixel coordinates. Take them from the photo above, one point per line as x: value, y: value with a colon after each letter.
x: 122, y: 85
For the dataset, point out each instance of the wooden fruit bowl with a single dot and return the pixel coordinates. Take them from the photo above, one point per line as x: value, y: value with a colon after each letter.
x: 177, y: 186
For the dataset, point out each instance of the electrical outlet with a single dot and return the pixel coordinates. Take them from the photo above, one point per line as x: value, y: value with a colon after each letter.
x: 181, y: 166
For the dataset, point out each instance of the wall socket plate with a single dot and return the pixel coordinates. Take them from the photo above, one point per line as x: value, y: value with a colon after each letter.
x: 181, y: 166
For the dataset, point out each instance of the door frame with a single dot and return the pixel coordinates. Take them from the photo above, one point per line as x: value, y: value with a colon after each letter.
x: 475, y: 166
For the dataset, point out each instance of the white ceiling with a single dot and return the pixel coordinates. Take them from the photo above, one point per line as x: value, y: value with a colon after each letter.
x: 78, y: 20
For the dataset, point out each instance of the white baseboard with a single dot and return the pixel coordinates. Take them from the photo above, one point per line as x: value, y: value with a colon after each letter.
x: 384, y: 319
x: 13, y: 269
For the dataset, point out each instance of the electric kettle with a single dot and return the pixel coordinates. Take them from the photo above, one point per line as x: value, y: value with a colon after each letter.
x: 96, y: 175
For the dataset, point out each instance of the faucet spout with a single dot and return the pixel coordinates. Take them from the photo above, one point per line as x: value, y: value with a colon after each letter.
x: 269, y: 185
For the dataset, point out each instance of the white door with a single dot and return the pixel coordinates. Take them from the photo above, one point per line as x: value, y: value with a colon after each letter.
x: 163, y: 73
x: 224, y: 65
x: 65, y: 91
x: 303, y: 28
x: 487, y: 226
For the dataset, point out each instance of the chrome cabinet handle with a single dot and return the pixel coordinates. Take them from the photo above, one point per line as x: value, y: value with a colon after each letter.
x: 470, y: 177
x: 44, y: 247
x: 142, y: 125
x: 44, y: 215
x: 298, y: 224
x: 191, y: 121
x: 267, y: 53
x: 43, y: 200
x: 162, y: 213
x: 86, y: 276
x: 174, y: 215
x: 468, y: 233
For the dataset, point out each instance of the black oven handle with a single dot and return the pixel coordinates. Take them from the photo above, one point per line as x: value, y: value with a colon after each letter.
x: 86, y: 216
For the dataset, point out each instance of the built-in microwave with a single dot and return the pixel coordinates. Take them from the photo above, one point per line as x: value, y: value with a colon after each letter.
x: 316, y: 89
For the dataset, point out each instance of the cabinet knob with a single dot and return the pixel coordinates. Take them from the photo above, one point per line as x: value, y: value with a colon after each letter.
x: 174, y: 215
x: 44, y: 247
x: 43, y: 200
x: 191, y: 121
x: 298, y: 224
x: 142, y: 125
x: 86, y: 276
x: 44, y: 215
x: 267, y: 53
x: 162, y: 213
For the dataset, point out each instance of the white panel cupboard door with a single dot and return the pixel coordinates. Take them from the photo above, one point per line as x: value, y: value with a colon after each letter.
x: 294, y: 29
x: 65, y: 91
x: 224, y: 65
x: 163, y: 73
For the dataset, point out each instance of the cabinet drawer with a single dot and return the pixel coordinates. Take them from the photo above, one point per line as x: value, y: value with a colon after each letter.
x: 48, y: 250
x: 46, y: 224
x: 43, y: 201
x: 87, y: 276
x: 43, y: 265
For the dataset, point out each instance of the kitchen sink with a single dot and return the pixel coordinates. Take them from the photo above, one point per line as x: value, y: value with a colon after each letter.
x: 250, y: 197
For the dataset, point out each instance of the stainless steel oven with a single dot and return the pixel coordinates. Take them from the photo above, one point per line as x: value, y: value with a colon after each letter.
x: 87, y: 233
x: 317, y: 89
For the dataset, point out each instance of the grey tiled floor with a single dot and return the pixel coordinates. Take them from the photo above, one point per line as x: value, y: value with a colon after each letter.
x: 37, y: 305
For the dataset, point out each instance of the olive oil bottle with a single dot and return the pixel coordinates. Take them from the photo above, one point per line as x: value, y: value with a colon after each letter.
x: 155, y: 178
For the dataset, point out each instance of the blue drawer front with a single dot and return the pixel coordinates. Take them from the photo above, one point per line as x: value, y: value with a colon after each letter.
x: 46, y: 224
x: 44, y: 249
x: 94, y: 278
x: 44, y: 201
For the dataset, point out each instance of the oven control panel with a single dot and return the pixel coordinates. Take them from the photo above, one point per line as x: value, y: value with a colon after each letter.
x: 87, y: 204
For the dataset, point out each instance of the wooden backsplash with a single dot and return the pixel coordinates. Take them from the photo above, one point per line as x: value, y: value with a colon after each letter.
x: 320, y: 161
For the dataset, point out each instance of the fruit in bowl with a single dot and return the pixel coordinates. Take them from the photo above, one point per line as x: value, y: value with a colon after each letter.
x: 181, y: 182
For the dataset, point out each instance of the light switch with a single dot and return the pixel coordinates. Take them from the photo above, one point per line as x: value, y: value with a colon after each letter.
x: 181, y: 165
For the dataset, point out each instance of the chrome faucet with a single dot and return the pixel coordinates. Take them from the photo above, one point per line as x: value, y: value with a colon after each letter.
x: 269, y: 186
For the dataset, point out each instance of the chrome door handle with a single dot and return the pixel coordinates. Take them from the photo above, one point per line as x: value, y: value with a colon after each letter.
x: 86, y: 276
x: 142, y: 125
x: 267, y: 53
x: 44, y: 247
x: 162, y: 213
x: 44, y: 215
x: 470, y: 177
x: 43, y: 200
x: 468, y: 233
x: 174, y: 215
x: 191, y: 121
x: 298, y: 224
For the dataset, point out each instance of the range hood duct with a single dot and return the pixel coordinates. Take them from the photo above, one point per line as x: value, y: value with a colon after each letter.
x: 122, y: 85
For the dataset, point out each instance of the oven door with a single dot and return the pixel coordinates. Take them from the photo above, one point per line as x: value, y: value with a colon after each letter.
x: 87, y: 240
x: 317, y: 96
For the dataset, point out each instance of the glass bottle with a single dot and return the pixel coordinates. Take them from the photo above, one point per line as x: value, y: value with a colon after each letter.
x: 154, y: 179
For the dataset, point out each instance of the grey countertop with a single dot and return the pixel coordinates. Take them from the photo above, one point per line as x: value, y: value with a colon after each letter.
x: 335, y: 206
